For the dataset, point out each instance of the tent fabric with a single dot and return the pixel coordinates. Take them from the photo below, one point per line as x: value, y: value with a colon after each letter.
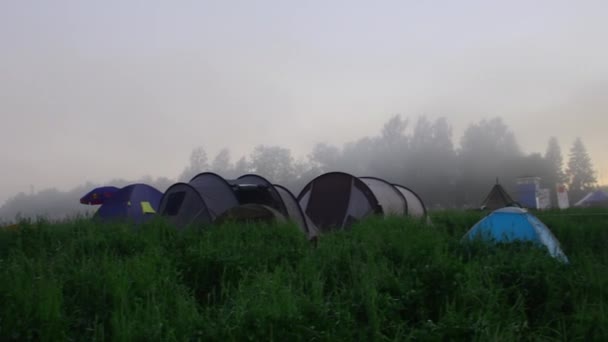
x: 497, y: 198
x: 294, y: 212
x: 135, y: 202
x: 336, y: 200
x: 252, y: 188
x: 198, y: 202
x: 99, y: 195
x: 251, y: 212
x: 261, y: 191
x: 208, y: 196
x: 415, y: 205
x: 182, y: 205
x: 392, y: 200
x: 515, y: 224
x: 215, y: 191
x: 596, y: 198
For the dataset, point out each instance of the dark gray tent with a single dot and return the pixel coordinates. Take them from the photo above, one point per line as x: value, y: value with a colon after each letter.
x: 498, y: 198
x: 251, y: 213
x: 295, y: 212
x: 336, y: 200
x: 198, y: 202
x: 253, y: 188
x: 208, y: 196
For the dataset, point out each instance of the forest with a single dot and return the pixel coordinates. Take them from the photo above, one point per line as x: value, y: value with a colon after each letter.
x: 420, y: 153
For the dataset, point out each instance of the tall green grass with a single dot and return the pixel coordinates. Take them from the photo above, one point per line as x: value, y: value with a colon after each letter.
x: 386, y: 279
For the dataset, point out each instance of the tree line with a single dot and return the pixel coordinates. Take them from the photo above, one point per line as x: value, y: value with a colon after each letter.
x: 419, y: 154
x: 423, y: 158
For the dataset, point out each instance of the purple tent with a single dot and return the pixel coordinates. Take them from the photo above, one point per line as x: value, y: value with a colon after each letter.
x: 99, y: 195
x: 593, y: 199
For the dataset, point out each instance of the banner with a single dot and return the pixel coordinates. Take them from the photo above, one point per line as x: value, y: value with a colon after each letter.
x: 562, y: 197
x: 543, y: 199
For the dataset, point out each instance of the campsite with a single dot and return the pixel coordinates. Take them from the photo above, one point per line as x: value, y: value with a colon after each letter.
x: 244, y: 259
x: 303, y: 170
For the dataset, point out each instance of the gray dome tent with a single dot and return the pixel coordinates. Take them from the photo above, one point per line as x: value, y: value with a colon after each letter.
x: 251, y: 213
x: 336, y: 200
x: 251, y: 188
x: 208, y: 196
x: 415, y: 205
x: 200, y: 201
x: 392, y: 200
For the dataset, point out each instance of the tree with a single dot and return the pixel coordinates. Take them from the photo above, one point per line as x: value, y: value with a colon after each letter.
x: 487, y: 149
x: 430, y: 160
x: 393, y: 132
x: 273, y: 163
x: 490, y: 138
x: 241, y: 167
x: 198, y: 164
x: 553, y: 155
x: 221, y: 164
x: 358, y: 157
x: 580, y: 170
x: 325, y: 157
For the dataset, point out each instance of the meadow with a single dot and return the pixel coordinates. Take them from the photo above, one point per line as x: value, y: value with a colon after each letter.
x: 391, y: 279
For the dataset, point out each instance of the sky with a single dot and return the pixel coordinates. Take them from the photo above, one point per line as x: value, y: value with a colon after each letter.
x: 96, y: 90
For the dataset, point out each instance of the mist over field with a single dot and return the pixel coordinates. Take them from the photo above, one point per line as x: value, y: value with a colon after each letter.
x: 443, y: 97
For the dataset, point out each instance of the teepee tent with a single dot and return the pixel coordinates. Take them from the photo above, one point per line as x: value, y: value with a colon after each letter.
x: 497, y: 198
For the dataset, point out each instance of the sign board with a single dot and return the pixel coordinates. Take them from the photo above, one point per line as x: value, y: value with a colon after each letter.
x: 543, y: 199
x: 562, y: 197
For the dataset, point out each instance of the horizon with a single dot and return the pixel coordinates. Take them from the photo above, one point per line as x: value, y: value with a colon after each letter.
x: 93, y: 92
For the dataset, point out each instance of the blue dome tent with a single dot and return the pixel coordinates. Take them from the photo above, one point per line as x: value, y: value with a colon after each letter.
x: 515, y: 224
x: 136, y: 202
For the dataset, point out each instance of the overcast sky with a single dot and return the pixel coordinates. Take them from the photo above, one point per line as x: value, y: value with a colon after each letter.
x: 91, y: 91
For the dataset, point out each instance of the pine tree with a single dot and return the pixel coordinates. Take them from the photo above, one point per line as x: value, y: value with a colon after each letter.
x: 580, y: 170
x: 553, y: 156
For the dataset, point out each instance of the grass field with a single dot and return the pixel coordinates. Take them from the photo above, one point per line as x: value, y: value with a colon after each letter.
x: 385, y: 280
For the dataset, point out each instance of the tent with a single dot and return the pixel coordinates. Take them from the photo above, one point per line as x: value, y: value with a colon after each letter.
x: 515, y: 224
x: 596, y: 198
x: 251, y: 213
x: 207, y: 196
x: 199, y: 201
x: 497, y: 198
x: 99, y: 195
x: 336, y: 200
x: 415, y: 206
x: 391, y: 200
x: 251, y: 188
x: 136, y: 202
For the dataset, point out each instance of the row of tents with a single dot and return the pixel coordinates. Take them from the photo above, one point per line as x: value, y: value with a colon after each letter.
x: 334, y: 200
x: 331, y: 201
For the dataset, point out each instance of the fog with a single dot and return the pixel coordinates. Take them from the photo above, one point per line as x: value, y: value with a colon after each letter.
x: 122, y: 90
